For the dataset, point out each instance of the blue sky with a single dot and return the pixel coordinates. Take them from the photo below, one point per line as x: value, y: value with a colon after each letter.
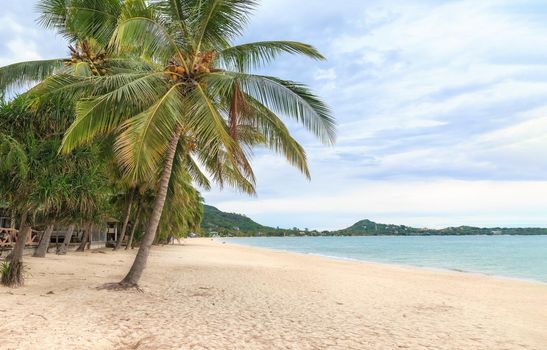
x: 441, y: 110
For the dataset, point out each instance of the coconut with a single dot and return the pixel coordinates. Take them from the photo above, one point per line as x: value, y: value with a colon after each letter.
x: 203, y: 69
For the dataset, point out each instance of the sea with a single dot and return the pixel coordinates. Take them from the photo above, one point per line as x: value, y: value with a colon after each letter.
x: 522, y: 257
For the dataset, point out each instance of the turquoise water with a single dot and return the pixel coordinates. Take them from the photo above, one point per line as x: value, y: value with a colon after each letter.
x: 510, y: 256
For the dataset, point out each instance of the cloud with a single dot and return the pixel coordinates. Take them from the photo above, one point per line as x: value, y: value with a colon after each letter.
x: 440, y: 105
x: 21, y: 39
x: 16, y: 47
x: 451, y: 202
x: 445, y: 94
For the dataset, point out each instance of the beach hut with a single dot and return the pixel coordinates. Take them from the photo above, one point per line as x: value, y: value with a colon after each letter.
x: 111, y: 232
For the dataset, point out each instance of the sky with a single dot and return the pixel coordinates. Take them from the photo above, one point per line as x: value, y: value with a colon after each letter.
x: 441, y: 109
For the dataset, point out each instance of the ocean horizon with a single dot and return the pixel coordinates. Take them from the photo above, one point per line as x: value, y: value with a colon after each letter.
x: 521, y: 257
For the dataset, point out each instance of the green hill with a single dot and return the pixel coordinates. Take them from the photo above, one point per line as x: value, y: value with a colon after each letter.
x: 217, y: 221
x: 370, y: 228
x: 231, y: 224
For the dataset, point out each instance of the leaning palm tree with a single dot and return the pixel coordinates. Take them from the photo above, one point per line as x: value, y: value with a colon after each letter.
x: 193, y: 86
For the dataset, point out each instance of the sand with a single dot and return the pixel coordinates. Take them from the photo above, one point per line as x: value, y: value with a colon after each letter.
x: 209, y: 295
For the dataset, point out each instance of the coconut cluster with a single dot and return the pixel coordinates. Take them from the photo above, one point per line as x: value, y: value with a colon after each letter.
x: 84, y: 53
x: 203, y: 64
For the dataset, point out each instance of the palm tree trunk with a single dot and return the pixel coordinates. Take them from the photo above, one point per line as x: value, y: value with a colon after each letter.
x: 85, y: 238
x: 135, y: 273
x: 43, y: 246
x: 12, y: 219
x: 126, y: 220
x: 13, y: 277
x: 134, y: 228
x: 63, y: 249
x: 90, y: 236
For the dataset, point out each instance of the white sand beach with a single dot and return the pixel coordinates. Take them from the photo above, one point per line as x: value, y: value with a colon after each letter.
x: 209, y: 295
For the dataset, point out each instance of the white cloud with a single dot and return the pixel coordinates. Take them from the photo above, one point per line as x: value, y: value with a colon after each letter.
x: 421, y: 203
x: 441, y: 109
x: 19, y: 42
x: 10, y: 25
x: 326, y: 74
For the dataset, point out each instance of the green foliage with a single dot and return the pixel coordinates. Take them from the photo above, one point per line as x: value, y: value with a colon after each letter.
x: 12, y: 274
x: 13, y: 159
x: 5, y: 271
x: 222, y: 223
x: 81, y: 19
x: 32, y: 175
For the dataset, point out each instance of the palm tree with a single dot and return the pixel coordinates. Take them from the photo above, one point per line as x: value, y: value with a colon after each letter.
x: 194, y: 87
x: 17, y: 156
x: 13, y: 175
x: 19, y: 152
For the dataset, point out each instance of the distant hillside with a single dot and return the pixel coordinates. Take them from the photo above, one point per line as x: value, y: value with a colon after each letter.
x: 218, y: 222
x: 370, y: 228
x: 215, y: 220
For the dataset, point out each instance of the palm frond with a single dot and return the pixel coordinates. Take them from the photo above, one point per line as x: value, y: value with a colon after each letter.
x: 121, y: 65
x: 196, y: 173
x: 20, y: 75
x: 216, y: 22
x: 81, y: 19
x: 205, y: 120
x: 119, y: 97
x: 226, y: 172
x: 283, y: 97
x: 292, y: 100
x: 249, y: 56
x: 277, y: 136
x: 61, y: 87
x: 13, y: 157
x: 94, y: 19
x: 142, y: 142
x: 53, y: 15
x: 147, y: 37
x: 180, y: 14
x: 184, y: 160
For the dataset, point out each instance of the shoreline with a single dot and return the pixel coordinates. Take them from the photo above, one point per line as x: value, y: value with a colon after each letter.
x: 393, y: 264
x: 207, y: 295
